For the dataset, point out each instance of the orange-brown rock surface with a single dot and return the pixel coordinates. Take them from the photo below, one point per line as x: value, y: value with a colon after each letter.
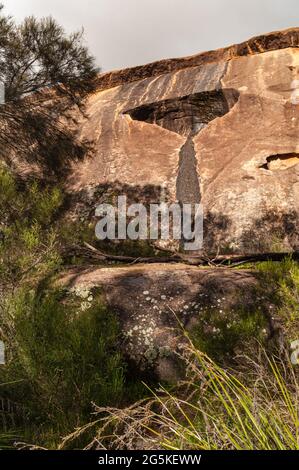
x: 220, y: 128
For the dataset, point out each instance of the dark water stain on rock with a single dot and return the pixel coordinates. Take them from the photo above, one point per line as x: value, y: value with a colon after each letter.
x: 187, y: 184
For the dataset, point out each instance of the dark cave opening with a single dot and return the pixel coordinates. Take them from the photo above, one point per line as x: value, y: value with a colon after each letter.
x: 187, y: 114
x: 280, y: 161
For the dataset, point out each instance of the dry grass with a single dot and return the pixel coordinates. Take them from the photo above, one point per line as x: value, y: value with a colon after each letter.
x: 254, y: 407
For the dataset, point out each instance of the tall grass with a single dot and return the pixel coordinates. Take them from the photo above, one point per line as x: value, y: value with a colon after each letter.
x: 6, y: 440
x: 223, y: 411
x: 253, y: 408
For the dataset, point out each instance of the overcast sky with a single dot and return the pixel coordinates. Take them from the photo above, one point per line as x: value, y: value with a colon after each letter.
x: 123, y: 33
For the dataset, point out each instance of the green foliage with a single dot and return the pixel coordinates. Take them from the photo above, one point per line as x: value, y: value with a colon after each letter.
x: 6, y: 440
x: 224, y: 334
x: 38, y: 53
x: 62, y: 358
x: 213, y: 409
x: 29, y: 239
x: 224, y: 412
x: 47, y: 75
x: 277, y: 294
x: 285, y: 277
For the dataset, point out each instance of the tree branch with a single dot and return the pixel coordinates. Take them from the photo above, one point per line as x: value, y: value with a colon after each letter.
x: 195, y: 260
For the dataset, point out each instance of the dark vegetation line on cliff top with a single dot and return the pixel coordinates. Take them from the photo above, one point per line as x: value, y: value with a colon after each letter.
x: 256, y: 45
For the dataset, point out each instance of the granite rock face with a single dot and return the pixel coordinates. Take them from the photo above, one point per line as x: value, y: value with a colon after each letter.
x: 220, y: 128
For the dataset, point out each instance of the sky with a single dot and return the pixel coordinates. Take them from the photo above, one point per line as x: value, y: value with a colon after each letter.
x: 124, y: 33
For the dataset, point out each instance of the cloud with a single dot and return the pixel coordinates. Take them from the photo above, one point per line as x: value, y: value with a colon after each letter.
x: 123, y: 33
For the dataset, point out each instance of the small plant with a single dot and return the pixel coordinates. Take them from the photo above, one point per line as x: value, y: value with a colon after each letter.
x: 222, y: 335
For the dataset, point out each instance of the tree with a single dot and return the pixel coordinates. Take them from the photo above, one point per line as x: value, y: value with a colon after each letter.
x: 38, y: 54
x: 45, y: 72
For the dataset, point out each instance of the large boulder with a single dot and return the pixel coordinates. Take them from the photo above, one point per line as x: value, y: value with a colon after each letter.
x: 154, y: 303
x: 220, y: 128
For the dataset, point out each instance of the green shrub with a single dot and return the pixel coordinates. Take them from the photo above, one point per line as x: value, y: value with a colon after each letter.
x: 62, y: 359
x: 29, y: 246
x: 284, y: 278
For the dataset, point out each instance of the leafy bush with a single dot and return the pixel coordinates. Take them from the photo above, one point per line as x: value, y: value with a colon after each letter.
x: 29, y: 238
x: 62, y: 358
x: 285, y: 277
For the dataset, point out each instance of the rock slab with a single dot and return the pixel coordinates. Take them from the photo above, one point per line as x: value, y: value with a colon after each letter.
x: 154, y: 302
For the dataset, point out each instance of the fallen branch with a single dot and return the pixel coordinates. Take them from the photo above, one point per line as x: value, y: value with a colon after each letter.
x: 90, y: 251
